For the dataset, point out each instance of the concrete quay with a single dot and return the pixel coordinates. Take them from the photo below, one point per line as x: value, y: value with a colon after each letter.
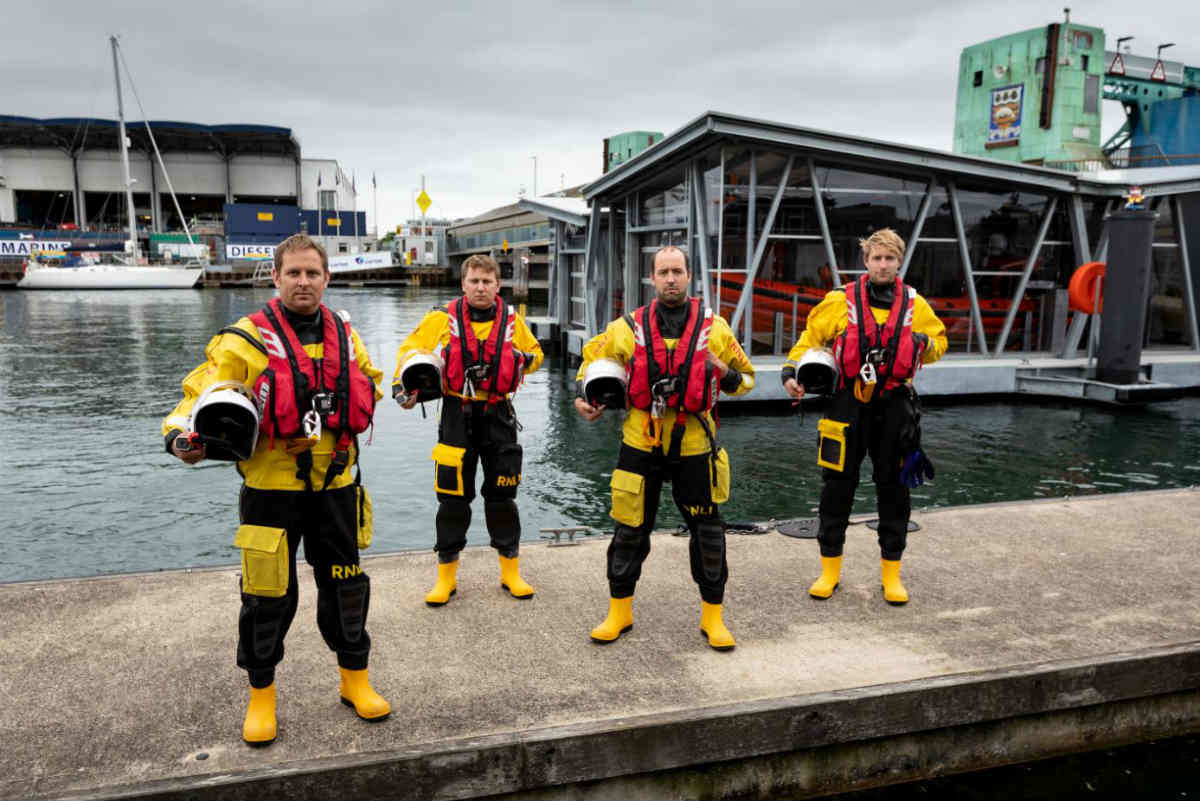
x: 1034, y: 629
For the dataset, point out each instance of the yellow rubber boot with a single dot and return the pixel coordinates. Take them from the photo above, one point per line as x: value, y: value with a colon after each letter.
x: 619, y: 621
x: 510, y: 578
x: 258, y: 729
x: 356, y: 692
x: 831, y: 571
x: 893, y: 591
x: 447, y: 584
x: 711, y: 625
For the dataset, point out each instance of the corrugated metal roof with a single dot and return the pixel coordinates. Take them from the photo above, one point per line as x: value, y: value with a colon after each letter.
x: 172, y: 135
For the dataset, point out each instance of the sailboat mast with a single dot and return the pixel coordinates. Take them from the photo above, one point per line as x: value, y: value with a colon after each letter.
x: 124, y: 153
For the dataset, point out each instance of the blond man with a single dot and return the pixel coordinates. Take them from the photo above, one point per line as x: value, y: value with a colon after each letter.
x: 877, y: 332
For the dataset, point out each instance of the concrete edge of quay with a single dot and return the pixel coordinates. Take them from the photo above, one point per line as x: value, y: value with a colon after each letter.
x: 798, y: 745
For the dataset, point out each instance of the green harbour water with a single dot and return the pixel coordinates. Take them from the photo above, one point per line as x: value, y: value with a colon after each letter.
x: 87, y: 489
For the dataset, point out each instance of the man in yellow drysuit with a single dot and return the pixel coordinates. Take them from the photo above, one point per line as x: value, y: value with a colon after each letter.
x: 315, y: 389
x: 678, y: 355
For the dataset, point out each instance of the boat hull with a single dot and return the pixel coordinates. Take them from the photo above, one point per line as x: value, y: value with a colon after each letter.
x: 105, y: 277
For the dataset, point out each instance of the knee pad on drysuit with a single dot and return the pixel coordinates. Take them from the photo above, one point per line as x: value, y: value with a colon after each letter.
x: 626, y: 553
x: 262, y: 623
x: 708, y: 553
x: 342, y: 608
x: 504, y: 526
x: 453, y: 519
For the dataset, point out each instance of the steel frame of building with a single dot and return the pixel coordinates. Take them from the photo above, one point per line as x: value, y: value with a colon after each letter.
x: 696, y: 144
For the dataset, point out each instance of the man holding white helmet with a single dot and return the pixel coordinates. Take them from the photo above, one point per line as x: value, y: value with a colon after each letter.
x: 484, y: 349
x: 862, y: 345
x: 314, y: 387
x: 677, y: 355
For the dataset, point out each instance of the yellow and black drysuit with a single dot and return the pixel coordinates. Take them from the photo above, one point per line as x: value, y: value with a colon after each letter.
x: 277, y: 495
x: 476, y: 426
x: 882, y: 425
x: 650, y: 455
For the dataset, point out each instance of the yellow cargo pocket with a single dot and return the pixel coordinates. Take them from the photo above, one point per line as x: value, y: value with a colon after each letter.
x: 720, y: 487
x: 366, y: 518
x: 265, y: 560
x: 628, y: 505
x: 831, y: 446
x: 447, y: 469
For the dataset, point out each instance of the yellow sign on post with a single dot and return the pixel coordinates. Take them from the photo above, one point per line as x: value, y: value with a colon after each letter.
x: 399, y: 230
x: 504, y: 245
x: 424, y: 201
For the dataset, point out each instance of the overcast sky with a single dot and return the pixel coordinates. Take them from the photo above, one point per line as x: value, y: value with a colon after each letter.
x: 467, y: 92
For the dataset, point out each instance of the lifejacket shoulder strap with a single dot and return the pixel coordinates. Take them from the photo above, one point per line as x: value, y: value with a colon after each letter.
x: 629, y: 321
x: 233, y: 329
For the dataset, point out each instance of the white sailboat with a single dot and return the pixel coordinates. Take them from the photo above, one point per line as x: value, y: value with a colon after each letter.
x: 40, y: 274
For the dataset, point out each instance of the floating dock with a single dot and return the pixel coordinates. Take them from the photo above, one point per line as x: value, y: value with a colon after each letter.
x: 1035, y: 629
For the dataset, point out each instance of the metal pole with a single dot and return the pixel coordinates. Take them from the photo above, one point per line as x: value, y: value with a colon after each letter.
x: 1189, y: 293
x: 966, y: 263
x: 589, y: 260
x: 633, y: 259
x: 922, y: 212
x: 819, y: 204
x: 721, y: 229
x: 700, y: 209
x: 1029, y: 263
x: 534, y: 175
x: 748, y: 288
x: 751, y: 225
x: 124, y: 154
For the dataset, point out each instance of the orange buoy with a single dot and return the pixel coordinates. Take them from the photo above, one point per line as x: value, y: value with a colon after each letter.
x: 1082, y: 289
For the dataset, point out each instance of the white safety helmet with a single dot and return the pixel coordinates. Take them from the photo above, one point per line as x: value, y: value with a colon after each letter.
x: 818, y: 371
x: 226, y: 418
x: 604, y: 384
x: 422, y: 374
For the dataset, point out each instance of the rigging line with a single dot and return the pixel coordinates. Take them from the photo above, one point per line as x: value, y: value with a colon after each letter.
x: 154, y: 144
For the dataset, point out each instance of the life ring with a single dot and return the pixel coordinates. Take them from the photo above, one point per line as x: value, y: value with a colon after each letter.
x: 1082, y: 289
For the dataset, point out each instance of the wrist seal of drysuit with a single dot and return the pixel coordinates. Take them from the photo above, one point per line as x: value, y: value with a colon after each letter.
x: 169, y: 439
x: 731, y: 381
x: 787, y: 373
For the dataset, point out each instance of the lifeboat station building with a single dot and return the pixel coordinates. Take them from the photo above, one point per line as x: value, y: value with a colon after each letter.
x: 771, y: 215
x: 240, y: 188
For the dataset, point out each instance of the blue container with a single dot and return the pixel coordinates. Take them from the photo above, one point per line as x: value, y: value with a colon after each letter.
x: 247, y: 221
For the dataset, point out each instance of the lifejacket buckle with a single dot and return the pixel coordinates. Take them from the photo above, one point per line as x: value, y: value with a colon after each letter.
x: 312, y: 425
x: 867, y: 372
x: 324, y: 403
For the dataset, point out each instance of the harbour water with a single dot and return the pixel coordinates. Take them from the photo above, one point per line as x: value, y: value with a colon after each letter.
x: 86, y: 487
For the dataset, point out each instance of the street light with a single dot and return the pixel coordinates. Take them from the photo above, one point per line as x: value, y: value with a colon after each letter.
x: 1163, y: 47
x: 534, y: 175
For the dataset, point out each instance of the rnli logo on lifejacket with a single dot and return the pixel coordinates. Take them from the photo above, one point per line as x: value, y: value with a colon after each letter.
x: 508, y: 481
x: 453, y: 327
x: 639, y: 336
x: 699, y: 511
x: 346, y: 571
x: 273, y: 343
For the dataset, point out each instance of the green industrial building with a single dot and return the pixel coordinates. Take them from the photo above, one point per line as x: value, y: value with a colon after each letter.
x: 1032, y: 96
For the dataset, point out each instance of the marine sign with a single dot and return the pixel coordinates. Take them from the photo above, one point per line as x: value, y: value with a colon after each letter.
x: 1004, y: 124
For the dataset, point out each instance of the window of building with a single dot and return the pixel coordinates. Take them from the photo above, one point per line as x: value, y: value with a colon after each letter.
x: 326, y: 199
x: 978, y: 78
x: 1081, y: 39
x: 1039, y: 66
x: 1091, y: 94
x: 1083, y: 62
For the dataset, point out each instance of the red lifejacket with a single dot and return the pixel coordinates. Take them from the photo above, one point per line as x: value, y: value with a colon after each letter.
x: 285, y: 389
x: 898, y: 358
x: 502, y: 364
x: 688, y: 362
